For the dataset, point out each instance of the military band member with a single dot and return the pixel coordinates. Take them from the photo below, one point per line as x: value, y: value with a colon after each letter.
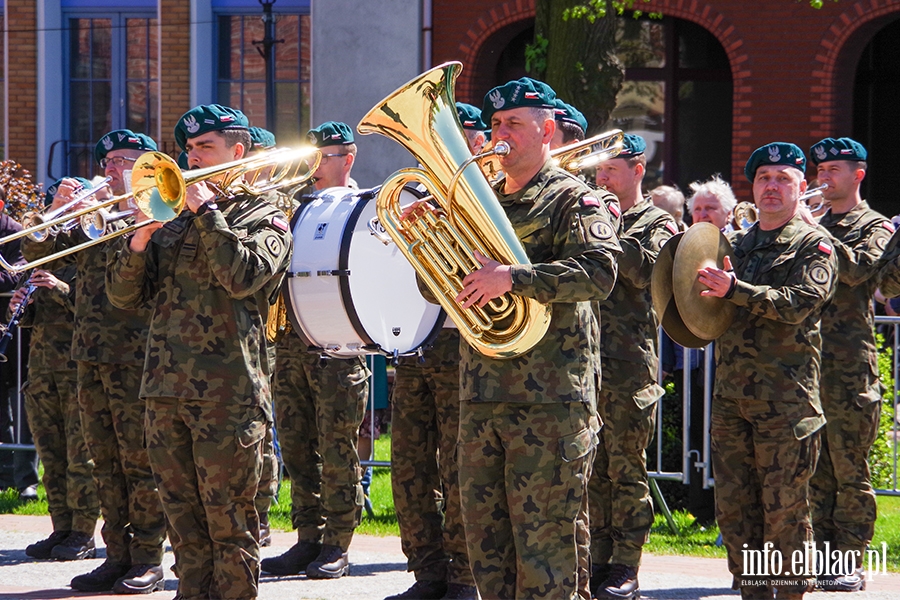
x: 571, y: 125
x: 424, y: 475
x: 766, y: 412
x: 109, y: 345
x: 841, y: 495
x: 210, y: 275
x: 51, y: 401
x: 527, y: 427
x: 319, y: 405
x: 621, y: 510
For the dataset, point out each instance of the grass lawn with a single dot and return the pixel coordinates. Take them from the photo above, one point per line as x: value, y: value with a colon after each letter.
x: 692, y: 541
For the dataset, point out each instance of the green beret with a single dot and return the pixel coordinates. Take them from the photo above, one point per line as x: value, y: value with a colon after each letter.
x: 183, y: 161
x: 330, y: 133
x: 524, y: 92
x: 469, y: 117
x: 51, y: 191
x: 122, y: 139
x: 776, y: 153
x: 205, y: 118
x: 632, y: 145
x: 569, y: 114
x: 261, y: 138
x: 837, y: 149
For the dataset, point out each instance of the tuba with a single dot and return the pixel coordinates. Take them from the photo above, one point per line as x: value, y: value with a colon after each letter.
x: 421, y: 116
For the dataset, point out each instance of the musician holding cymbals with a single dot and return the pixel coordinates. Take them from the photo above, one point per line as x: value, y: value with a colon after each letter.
x: 319, y: 404
x: 210, y: 275
x: 766, y: 412
x: 841, y: 496
x: 109, y: 344
x: 527, y: 424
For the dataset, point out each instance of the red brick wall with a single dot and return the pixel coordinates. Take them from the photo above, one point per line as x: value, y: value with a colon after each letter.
x: 174, y: 66
x: 792, y: 65
x: 21, y: 20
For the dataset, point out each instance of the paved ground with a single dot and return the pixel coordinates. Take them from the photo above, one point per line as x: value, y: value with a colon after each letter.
x: 379, y: 569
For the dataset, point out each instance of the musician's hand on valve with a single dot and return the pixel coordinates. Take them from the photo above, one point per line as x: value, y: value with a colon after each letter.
x: 42, y: 278
x: 67, y: 190
x: 490, y: 281
x: 17, y: 297
x: 719, y: 281
x: 197, y: 195
x: 418, y: 209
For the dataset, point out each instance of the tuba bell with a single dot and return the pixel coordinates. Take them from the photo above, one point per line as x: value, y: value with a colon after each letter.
x: 421, y: 116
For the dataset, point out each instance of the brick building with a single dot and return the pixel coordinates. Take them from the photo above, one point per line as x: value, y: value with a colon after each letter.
x: 705, y: 85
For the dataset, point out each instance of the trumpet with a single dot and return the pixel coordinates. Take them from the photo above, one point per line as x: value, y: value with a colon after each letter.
x: 159, y: 187
x: 41, y: 226
x: 583, y: 154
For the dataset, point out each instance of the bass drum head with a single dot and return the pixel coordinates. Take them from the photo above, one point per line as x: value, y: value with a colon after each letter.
x: 348, y: 293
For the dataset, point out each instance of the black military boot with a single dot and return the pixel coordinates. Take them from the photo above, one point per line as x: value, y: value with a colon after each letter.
x: 44, y: 548
x: 599, y: 573
x: 422, y: 590
x: 101, y: 579
x: 331, y: 563
x: 140, y: 579
x: 77, y: 546
x: 852, y: 582
x: 622, y: 584
x: 292, y: 562
x: 459, y: 591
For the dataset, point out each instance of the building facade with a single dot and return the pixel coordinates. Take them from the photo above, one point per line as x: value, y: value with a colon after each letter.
x: 706, y: 84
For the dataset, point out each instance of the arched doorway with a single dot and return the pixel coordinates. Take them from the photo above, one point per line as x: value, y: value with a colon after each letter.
x: 875, y: 93
x: 678, y: 92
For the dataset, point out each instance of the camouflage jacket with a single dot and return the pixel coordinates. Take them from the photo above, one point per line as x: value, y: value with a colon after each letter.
x: 567, y: 234
x: 210, y: 280
x: 629, y: 325
x: 888, y: 277
x: 51, y: 317
x: 103, y: 333
x: 772, y: 351
x: 848, y: 323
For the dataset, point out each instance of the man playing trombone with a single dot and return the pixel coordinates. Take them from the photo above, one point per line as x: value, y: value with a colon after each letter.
x: 109, y: 345
x: 210, y: 274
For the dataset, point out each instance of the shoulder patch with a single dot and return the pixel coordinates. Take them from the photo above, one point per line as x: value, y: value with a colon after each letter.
x: 280, y: 223
x: 614, y: 209
x: 273, y: 244
x: 671, y: 227
x: 881, y: 242
x: 589, y: 201
x: 600, y: 230
x: 825, y: 248
x: 819, y: 274
x: 888, y: 225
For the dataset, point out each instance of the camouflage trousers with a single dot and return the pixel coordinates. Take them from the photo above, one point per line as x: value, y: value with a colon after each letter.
x: 207, y: 457
x: 619, y: 501
x: 840, y: 492
x: 319, y: 406
x: 112, y: 419
x: 763, y: 456
x: 267, y: 491
x: 523, y: 471
x: 424, y: 474
x: 51, y: 401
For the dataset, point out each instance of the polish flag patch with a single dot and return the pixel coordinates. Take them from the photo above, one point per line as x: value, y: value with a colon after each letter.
x: 614, y: 209
x: 671, y: 227
x: 280, y: 223
x: 590, y: 201
x: 888, y: 225
x: 532, y: 95
x: 825, y: 248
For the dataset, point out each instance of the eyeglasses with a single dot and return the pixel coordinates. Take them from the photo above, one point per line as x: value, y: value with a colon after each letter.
x: 330, y: 155
x: 119, y: 161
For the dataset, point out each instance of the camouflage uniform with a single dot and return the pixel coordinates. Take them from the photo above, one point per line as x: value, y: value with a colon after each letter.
x: 51, y: 401
x: 841, y: 495
x: 210, y: 279
x: 766, y: 412
x: 527, y: 424
x: 109, y: 345
x: 319, y: 404
x: 424, y: 474
x: 621, y: 511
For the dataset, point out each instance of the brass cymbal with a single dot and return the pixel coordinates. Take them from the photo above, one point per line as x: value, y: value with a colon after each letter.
x: 703, y: 245
x: 664, y: 299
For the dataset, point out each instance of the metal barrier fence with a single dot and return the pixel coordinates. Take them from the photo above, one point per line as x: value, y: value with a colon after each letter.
x: 656, y: 472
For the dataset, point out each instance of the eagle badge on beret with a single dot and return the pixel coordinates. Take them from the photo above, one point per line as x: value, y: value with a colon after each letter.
x: 107, y: 143
x: 497, y: 99
x: 774, y: 154
x: 311, y: 137
x: 820, y: 153
x: 191, y: 124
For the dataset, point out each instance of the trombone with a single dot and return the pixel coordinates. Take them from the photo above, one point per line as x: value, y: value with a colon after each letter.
x: 159, y: 187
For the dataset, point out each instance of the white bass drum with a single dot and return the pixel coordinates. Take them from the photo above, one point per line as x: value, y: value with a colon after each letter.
x: 348, y: 293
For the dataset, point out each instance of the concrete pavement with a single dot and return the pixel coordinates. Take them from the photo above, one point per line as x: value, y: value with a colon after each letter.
x: 378, y: 570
